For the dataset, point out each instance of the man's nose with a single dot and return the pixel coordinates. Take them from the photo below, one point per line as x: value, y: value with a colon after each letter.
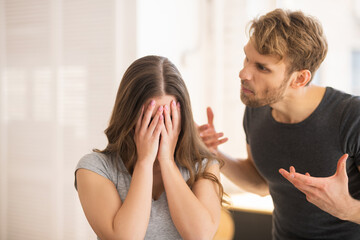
x: 245, y: 74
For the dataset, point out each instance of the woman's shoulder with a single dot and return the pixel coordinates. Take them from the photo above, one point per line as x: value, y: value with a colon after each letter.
x: 99, y: 163
x: 94, y: 160
x: 205, y: 163
x: 200, y: 166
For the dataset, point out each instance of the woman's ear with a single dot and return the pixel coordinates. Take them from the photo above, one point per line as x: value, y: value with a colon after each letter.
x: 301, y: 78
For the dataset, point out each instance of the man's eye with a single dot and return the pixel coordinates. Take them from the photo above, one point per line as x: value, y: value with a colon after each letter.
x: 261, y: 67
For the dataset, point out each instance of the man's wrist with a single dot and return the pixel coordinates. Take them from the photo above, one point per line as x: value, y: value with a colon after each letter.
x: 354, y: 211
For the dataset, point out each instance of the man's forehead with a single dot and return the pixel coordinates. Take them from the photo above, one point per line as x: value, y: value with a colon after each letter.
x: 265, y: 60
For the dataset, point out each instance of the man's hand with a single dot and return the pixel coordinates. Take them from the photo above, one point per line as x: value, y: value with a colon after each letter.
x: 331, y: 194
x: 207, y: 132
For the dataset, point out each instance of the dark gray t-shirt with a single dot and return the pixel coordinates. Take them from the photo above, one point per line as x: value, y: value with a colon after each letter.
x: 315, y: 146
x: 160, y: 225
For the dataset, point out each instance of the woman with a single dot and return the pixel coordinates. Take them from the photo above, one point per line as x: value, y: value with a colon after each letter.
x: 155, y: 179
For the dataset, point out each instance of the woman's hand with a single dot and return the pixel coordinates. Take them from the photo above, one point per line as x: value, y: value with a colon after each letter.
x: 147, y: 136
x: 169, y: 132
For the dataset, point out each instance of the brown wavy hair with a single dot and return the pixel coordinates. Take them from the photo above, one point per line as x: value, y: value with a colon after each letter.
x: 290, y: 35
x: 149, y: 77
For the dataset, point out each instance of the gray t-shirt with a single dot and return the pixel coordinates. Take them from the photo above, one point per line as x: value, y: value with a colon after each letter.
x: 160, y: 225
x: 315, y: 146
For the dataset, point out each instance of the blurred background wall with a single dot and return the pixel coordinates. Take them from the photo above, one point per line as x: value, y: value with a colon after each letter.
x: 61, y: 62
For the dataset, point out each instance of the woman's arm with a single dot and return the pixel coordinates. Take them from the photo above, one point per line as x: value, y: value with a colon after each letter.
x: 107, y: 215
x: 195, y: 213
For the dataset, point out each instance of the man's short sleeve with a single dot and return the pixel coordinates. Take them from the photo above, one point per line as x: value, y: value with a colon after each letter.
x: 350, y: 129
x: 245, y: 123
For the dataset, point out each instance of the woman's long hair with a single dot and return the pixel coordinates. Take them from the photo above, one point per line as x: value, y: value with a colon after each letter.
x: 149, y: 77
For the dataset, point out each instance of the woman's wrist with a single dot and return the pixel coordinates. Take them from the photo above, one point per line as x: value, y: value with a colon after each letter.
x: 167, y: 162
x: 144, y: 163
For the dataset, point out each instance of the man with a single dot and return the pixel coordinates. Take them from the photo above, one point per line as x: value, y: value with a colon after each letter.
x: 289, y: 122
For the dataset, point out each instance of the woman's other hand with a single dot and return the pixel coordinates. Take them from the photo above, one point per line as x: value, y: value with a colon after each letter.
x: 169, y: 132
x: 147, y: 133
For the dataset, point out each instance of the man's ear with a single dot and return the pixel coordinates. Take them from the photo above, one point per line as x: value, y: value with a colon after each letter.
x: 300, y: 78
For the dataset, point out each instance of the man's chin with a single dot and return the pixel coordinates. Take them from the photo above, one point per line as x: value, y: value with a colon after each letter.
x: 250, y: 103
x: 245, y: 100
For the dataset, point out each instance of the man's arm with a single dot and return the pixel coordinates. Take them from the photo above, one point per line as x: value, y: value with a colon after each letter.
x: 240, y: 171
x: 356, y: 216
x: 331, y: 194
x: 244, y: 174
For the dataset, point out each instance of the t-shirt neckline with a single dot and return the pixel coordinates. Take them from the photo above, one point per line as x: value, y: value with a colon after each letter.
x: 306, y: 120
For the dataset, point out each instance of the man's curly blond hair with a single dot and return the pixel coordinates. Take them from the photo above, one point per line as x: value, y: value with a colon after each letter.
x: 291, y: 36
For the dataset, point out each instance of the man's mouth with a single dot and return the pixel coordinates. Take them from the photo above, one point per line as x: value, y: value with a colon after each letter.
x: 246, y: 90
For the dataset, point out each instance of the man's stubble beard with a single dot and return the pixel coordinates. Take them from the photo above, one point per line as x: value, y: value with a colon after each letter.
x: 270, y: 96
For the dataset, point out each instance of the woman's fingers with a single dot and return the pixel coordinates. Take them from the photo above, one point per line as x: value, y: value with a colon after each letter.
x: 138, y: 122
x: 170, y: 116
x: 178, y: 121
x: 147, y: 116
x: 167, y: 118
x: 175, y: 113
x: 159, y: 126
x: 154, y: 122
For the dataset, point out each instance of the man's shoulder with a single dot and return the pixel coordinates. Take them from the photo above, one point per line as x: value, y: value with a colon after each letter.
x: 342, y: 96
x: 343, y: 106
x: 341, y: 100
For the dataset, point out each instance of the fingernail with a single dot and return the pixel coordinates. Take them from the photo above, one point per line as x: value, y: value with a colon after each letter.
x: 166, y: 108
x: 292, y: 175
x: 178, y: 104
x: 160, y: 108
x: 173, y: 103
x: 152, y: 103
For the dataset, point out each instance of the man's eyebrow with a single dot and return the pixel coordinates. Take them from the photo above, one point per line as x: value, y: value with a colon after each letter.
x: 267, y: 65
x: 262, y: 64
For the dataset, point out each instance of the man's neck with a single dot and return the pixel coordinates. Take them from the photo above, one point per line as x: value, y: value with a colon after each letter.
x: 298, y: 105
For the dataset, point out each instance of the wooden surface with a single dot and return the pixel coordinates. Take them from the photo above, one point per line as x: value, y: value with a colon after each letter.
x: 226, y: 230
